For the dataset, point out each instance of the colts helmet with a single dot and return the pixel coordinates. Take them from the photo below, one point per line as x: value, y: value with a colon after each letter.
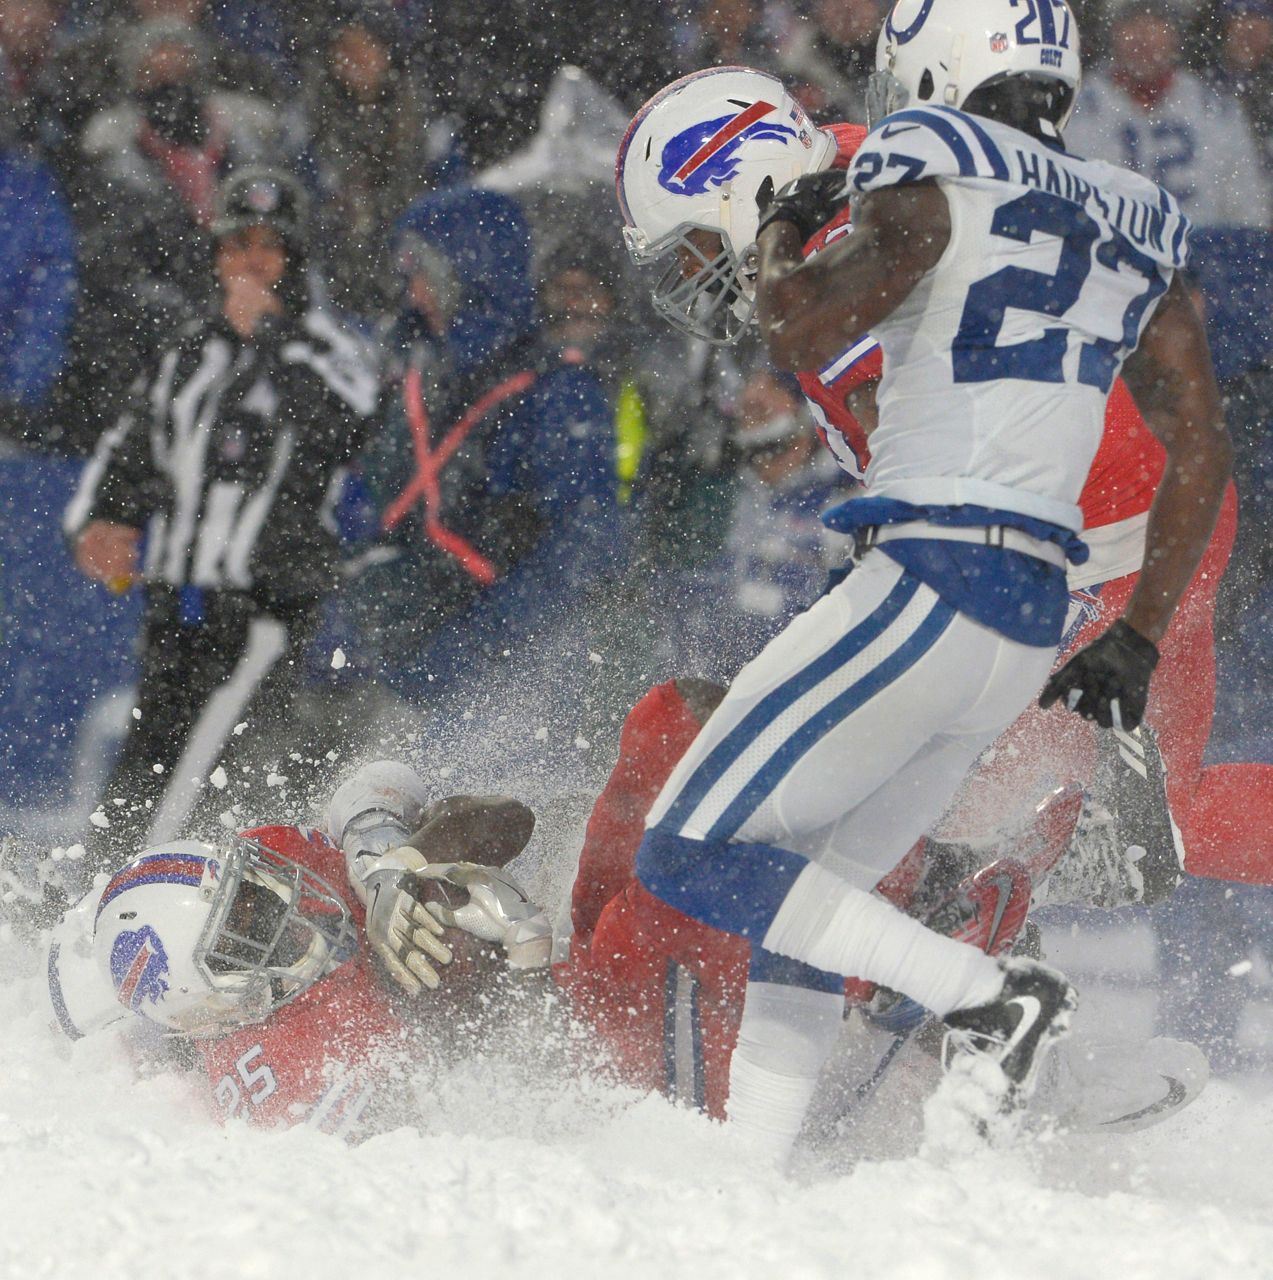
x: 697, y: 157
x: 203, y: 940
x: 941, y: 51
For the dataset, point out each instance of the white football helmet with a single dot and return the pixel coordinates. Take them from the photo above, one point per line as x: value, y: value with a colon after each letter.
x: 941, y: 51
x: 204, y: 940
x: 695, y: 158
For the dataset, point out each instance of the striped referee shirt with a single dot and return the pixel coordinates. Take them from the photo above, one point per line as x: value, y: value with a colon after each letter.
x: 232, y: 454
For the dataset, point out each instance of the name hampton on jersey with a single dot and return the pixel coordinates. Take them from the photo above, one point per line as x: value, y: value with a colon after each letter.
x: 941, y: 142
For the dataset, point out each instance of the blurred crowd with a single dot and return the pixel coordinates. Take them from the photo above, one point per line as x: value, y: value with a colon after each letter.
x: 556, y: 492
x: 456, y: 161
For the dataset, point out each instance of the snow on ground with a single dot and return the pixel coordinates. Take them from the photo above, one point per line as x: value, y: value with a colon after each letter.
x: 105, y: 1175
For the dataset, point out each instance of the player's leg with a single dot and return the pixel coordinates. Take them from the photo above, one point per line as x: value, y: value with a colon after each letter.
x: 1229, y: 833
x: 656, y: 733
x: 844, y: 740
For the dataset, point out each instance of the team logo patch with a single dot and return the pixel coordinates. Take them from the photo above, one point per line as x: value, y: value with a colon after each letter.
x: 999, y: 42
x: 139, y: 967
x: 706, y: 154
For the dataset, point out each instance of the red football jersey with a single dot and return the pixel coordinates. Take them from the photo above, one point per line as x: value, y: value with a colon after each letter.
x: 314, y: 1061
x: 1128, y: 464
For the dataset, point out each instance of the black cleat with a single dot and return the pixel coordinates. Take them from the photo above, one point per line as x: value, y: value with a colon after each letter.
x: 1015, y: 1031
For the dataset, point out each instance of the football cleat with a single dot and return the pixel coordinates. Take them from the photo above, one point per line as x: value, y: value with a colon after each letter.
x: 1099, y: 869
x: 1015, y: 1030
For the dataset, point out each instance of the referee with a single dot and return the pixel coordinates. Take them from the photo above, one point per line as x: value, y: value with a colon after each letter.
x: 229, y: 460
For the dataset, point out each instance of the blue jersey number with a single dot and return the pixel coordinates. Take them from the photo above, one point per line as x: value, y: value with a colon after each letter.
x: 1043, y: 13
x: 975, y: 355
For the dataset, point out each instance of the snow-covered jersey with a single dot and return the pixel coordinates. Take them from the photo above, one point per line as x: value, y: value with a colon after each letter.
x: 324, y: 1059
x: 998, y: 365
x: 318, y: 1061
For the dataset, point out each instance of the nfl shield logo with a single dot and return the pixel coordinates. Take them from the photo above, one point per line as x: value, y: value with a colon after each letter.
x: 999, y: 42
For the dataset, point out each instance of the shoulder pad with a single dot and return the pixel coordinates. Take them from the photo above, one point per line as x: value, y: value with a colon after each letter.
x: 926, y: 142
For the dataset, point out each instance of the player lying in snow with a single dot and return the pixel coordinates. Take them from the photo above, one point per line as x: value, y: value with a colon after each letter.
x: 259, y: 954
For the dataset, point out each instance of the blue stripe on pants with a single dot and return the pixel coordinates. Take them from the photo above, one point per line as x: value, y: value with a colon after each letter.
x: 765, y: 712
x: 839, y: 709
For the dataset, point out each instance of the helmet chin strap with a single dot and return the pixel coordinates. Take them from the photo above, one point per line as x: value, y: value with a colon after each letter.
x: 739, y: 211
x: 951, y: 94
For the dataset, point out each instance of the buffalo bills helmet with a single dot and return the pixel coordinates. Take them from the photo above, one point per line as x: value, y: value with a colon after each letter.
x: 943, y: 51
x: 700, y: 157
x: 203, y: 940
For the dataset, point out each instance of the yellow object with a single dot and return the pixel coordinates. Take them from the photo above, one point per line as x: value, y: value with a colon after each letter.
x: 120, y: 583
x: 629, y: 437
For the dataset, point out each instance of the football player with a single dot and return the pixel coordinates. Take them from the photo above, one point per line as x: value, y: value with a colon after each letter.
x: 759, y: 830
x: 285, y: 954
x: 1136, y: 778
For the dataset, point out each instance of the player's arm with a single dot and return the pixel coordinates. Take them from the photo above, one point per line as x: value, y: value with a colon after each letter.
x: 1173, y: 383
x: 811, y: 309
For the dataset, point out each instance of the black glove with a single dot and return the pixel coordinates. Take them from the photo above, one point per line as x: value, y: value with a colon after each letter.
x: 1107, y: 678
x: 808, y: 203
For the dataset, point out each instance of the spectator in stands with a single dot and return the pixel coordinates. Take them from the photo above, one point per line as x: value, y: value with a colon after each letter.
x: 86, y: 76
x: 152, y: 163
x: 778, y: 552
x: 493, y: 64
x: 375, y: 144
x: 828, y: 58
x: 37, y: 284
x: 1244, y: 64
x: 1146, y: 111
x: 495, y: 459
x: 727, y: 33
x: 27, y: 32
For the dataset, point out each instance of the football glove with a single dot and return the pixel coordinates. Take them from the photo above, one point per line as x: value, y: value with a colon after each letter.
x: 400, y: 931
x: 809, y: 202
x: 1107, y: 680
x: 496, y: 910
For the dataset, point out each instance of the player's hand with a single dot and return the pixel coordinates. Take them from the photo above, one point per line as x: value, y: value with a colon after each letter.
x: 1107, y: 680
x: 808, y: 203
x: 399, y: 929
x: 497, y: 910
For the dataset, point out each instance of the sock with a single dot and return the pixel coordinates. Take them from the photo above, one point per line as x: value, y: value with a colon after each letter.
x: 784, y: 1038
x: 829, y: 924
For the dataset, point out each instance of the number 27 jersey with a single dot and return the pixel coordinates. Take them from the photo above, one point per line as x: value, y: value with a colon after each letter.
x: 998, y: 365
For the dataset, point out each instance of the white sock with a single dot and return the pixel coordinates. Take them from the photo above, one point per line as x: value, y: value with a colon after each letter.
x: 785, y: 1036
x: 832, y: 925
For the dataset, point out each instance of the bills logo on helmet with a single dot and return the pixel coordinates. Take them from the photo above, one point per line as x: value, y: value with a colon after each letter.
x: 139, y: 967
x: 705, y: 155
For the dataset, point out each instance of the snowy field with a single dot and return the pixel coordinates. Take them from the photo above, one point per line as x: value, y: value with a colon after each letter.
x: 524, y: 1171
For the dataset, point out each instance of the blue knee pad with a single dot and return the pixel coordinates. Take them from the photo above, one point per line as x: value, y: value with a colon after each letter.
x: 731, y: 886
